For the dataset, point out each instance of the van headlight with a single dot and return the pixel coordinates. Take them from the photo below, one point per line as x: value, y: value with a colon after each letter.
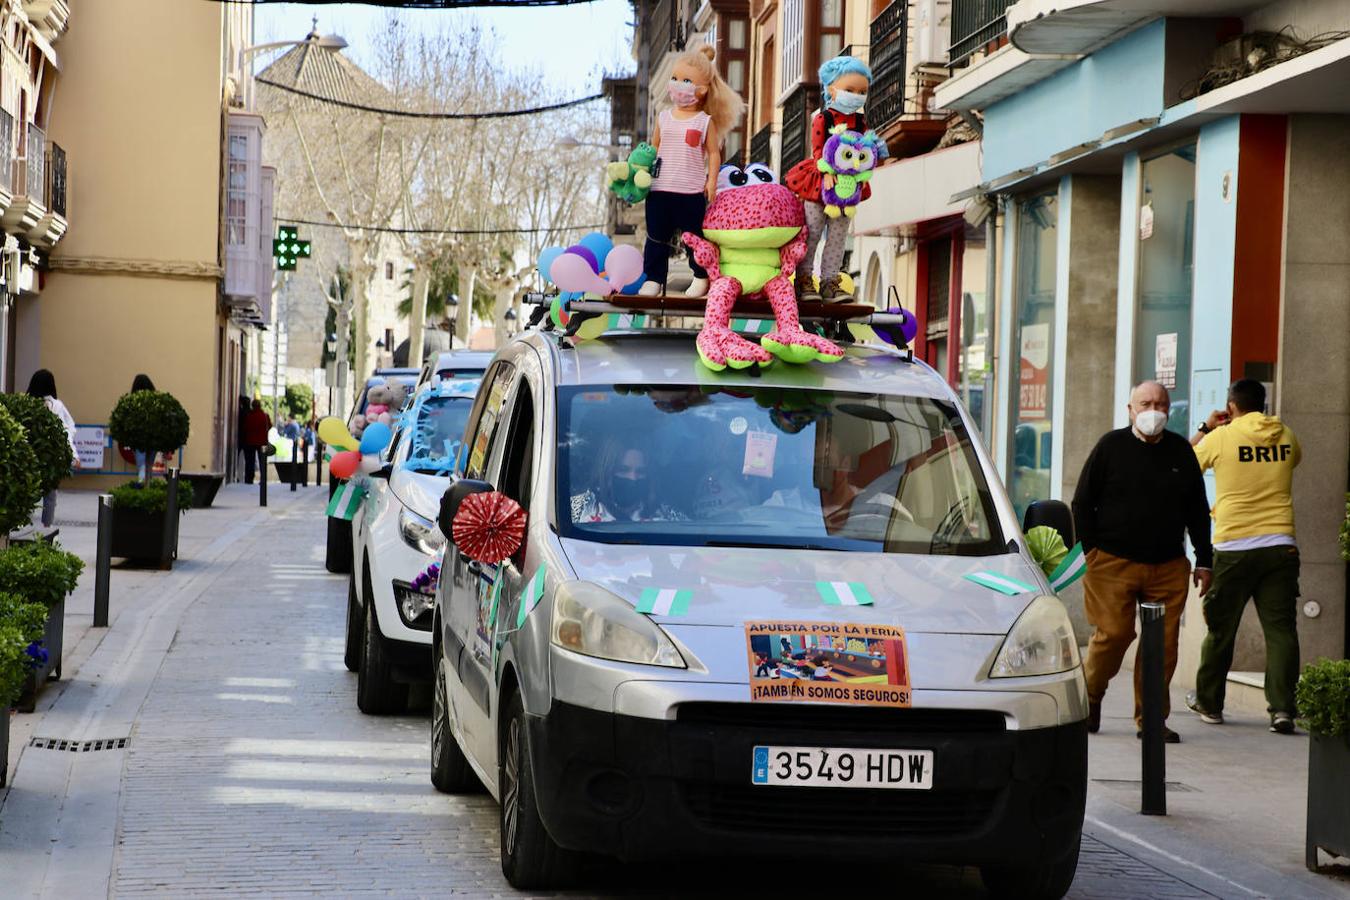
x: 589, y: 619
x: 419, y: 533
x: 1041, y: 642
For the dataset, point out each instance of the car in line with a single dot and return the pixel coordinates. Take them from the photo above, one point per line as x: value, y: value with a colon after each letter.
x: 396, y: 539
x: 783, y: 613
x: 449, y: 364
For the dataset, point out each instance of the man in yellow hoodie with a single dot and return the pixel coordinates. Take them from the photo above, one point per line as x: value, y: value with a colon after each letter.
x: 1255, y: 557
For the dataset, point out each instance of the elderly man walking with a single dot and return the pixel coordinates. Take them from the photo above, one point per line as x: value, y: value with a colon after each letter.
x: 1253, y: 456
x: 1140, y: 491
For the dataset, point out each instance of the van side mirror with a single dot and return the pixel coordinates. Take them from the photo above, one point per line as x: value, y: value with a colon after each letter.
x: 453, y: 497
x: 1054, y: 513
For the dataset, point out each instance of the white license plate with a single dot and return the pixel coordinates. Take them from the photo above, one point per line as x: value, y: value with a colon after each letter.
x: 843, y: 767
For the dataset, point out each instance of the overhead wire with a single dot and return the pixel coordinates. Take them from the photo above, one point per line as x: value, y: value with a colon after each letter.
x: 288, y: 220
x: 414, y: 114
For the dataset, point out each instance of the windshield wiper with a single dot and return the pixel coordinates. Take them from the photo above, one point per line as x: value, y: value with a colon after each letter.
x: 765, y: 546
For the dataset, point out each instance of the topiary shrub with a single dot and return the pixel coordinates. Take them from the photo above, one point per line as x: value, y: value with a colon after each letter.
x: 39, y: 572
x: 300, y: 401
x: 149, y: 421
x: 20, y: 486
x: 1323, y: 697
x: 46, y: 435
x: 21, y: 625
x: 152, y: 497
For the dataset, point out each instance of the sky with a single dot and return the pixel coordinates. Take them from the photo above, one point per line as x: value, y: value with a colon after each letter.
x: 599, y: 31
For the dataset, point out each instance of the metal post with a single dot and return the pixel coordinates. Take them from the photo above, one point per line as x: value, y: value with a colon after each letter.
x: 1152, y: 617
x: 295, y: 463
x: 263, y: 461
x: 103, y: 561
x: 318, y: 463
x: 170, y: 547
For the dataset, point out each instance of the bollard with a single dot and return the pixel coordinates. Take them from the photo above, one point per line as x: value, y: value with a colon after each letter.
x: 169, y: 549
x: 1152, y: 618
x: 103, y: 561
x: 295, y: 464
x: 263, y: 460
x: 318, y: 463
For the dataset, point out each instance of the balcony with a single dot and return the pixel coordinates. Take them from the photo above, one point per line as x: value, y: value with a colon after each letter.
x: 761, y: 146
x: 906, y: 134
x: 52, y: 226
x: 27, y: 208
x: 887, y: 40
x: 798, y: 108
x: 975, y: 25
x: 661, y: 29
x: 49, y: 17
x: 6, y: 161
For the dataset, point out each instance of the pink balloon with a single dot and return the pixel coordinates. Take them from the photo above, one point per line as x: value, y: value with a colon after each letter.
x: 585, y: 253
x: 572, y: 273
x: 623, y: 265
x: 345, y: 464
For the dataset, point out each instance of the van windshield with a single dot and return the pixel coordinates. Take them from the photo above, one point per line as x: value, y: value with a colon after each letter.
x: 437, y: 429
x: 770, y: 467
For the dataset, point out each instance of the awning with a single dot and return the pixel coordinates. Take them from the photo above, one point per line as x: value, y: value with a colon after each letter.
x: 919, y: 189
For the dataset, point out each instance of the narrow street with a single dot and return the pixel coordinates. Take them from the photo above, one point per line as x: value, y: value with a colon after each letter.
x: 247, y: 768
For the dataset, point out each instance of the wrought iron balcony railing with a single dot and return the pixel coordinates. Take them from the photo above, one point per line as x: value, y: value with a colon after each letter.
x: 798, y: 108
x: 761, y: 146
x: 886, y: 50
x: 976, y: 23
x: 56, y: 179
x: 7, y: 148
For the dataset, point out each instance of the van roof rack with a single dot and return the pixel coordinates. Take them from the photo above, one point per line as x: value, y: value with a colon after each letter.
x: 629, y: 312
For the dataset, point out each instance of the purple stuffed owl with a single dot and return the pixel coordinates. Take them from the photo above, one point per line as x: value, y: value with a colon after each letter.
x: 850, y: 157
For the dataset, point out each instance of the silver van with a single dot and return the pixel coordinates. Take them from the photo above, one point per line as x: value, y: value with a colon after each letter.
x: 785, y: 612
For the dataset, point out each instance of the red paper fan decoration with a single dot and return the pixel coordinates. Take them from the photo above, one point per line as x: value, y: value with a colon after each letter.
x: 488, y: 527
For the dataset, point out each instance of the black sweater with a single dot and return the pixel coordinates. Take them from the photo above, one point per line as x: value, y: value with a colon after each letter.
x: 1135, y: 499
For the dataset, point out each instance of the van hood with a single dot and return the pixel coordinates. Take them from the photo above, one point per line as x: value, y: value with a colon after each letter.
x: 419, y: 492
x: 1259, y: 428
x: 733, y: 585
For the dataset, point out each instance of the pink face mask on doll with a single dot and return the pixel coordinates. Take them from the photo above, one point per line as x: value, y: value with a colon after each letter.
x: 682, y: 94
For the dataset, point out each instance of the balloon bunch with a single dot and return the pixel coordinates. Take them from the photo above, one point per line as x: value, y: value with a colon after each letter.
x: 426, y: 581
x: 593, y: 266
x: 357, y: 454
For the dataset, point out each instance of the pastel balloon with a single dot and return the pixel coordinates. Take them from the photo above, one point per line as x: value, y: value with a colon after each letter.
x: 345, y: 464
x: 546, y: 258
x: 623, y: 264
x: 585, y: 253
x: 333, y: 432
x: 571, y: 272
x: 633, y: 286
x: 376, y: 437
x: 370, y: 463
x: 598, y: 243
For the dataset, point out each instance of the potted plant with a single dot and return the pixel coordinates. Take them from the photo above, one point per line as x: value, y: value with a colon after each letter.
x: 20, y: 485
x: 46, y: 436
x: 20, y: 625
x: 1323, y: 696
x: 142, y: 528
x: 42, y: 574
x: 149, y: 422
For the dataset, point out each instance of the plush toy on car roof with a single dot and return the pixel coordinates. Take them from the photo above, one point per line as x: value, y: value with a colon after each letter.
x: 849, y: 157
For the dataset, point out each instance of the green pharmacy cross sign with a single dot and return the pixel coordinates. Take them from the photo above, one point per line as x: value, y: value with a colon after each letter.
x: 288, y: 248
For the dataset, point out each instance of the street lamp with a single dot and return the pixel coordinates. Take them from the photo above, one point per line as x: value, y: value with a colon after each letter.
x: 330, y: 42
x: 571, y: 142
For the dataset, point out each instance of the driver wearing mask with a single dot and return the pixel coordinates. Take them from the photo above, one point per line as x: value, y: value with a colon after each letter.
x: 625, y: 491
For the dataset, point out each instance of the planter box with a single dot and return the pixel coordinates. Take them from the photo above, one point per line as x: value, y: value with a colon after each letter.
x: 142, y: 537
x: 1328, y: 797
x: 53, y: 637
x: 283, y: 470
x: 4, y: 745
x: 204, y: 488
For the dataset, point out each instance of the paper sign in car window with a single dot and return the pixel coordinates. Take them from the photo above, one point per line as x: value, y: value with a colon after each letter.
x: 828, y: 662
x: 759, y: 451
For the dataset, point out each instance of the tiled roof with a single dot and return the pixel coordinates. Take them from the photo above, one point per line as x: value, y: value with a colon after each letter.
x: 324, y: 72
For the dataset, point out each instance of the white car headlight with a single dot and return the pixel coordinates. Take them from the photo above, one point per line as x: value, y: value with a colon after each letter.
x: 1041, y: 642
x: 589, y: 619
x: 419, y: 533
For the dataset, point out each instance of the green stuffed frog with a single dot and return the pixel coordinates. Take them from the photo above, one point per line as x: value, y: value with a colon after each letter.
x: 632, y: 180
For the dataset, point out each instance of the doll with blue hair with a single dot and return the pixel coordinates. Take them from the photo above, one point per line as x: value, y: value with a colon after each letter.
x: 845, y: 81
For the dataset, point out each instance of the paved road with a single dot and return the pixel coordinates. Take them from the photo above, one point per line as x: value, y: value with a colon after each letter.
x: 248, y: 769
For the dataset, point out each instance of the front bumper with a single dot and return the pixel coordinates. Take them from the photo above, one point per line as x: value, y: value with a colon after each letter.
x: 641, y: 788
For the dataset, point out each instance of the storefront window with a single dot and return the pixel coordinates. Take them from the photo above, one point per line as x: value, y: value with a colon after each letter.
x: 1033, y: 344
x: 1162, y: 332
x: 973, y: 374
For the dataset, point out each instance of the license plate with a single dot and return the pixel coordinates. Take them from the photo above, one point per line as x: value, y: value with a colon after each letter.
x: 843, y: 767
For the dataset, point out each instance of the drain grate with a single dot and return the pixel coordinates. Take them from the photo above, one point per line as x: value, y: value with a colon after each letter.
x: 44, y: 743
x: 1134, y: 784
x: 75, y: 523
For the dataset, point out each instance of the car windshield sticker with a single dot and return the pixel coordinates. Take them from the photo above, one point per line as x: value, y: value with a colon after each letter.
x: 828, y: 662
x: 1070, y: 570
x: 759, y: 451
x: 1001, y: 583
x: 346, y: 501
x: 530, y: 596
x: 664, y: 602
x: 844, y: 593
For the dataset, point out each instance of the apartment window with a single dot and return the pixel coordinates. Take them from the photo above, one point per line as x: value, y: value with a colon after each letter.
x: 733, y: 54
x: 388, y: 271
x: 389, y: 340
x: 831, y: 36
x: 812, y: 32
x: 236, y: 197
x: 794, y: 39
x: 766, y: 86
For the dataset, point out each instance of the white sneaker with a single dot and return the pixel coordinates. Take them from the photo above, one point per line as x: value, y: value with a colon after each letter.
x: 650, y: 289
x: 697, y: 288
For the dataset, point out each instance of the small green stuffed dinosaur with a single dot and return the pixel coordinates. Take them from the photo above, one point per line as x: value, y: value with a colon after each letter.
x: 630, y: 181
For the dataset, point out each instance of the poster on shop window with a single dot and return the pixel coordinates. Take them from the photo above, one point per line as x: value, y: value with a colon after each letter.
x: 1034, y: 382
x: 828, y: 662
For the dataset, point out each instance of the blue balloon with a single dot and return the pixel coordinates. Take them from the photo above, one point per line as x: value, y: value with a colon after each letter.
x: 375, y: 438
x: 546, y: 258
x: 599, y: 244
x: 633, y: 288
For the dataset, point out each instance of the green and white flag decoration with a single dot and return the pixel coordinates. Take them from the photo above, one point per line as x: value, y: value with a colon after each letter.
x: 664, y: 602
x: 752, y: 326
x: 346, y: 501
x: 530, y: 596
x: 1004, y: 584
x: 1072, y: 568
x: 844, y: 593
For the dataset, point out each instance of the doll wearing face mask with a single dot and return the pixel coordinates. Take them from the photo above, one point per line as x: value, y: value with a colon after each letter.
x: 688, y: 141
x: 846, y: 81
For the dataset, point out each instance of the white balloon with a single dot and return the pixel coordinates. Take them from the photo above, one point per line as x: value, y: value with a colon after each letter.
x: 370, y: 463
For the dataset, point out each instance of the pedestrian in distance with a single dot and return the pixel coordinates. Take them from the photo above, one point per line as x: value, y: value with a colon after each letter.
x: 1140, y: 492
x: 43, y: 386
x: 141, y: 382
x: 256, y: 426
x: 1253, y: 456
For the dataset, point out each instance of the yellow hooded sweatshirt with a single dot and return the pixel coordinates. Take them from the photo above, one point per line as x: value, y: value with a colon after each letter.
x: 1253, y: 458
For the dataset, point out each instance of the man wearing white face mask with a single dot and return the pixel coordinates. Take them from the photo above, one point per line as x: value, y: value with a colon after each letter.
x: 1140, y: 492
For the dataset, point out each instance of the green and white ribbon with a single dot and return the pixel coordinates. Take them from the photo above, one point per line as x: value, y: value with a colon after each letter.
x: 752, y: 326
x: 635, y: 321
x: 1004, y: 584
x: 844, y: 593
x: 664, y: 602
x: 530, y: 596
x: 346, y: 501
x: 495, y: 599
x: 1072, y: 568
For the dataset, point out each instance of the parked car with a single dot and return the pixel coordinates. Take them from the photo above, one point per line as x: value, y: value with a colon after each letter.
x: 745, y: 599
x: 396, y: 539
x: 455, y: 364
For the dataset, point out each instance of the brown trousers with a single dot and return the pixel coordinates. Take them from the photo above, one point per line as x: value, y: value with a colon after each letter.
x: 1112, y: 588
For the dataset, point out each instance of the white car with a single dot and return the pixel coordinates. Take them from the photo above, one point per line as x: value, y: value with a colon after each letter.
x: 395, y: 539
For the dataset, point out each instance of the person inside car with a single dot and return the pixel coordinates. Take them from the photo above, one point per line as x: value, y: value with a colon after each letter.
x: 623, y: 489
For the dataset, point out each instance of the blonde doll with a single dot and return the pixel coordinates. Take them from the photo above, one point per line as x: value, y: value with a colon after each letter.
x: 688, y: 141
